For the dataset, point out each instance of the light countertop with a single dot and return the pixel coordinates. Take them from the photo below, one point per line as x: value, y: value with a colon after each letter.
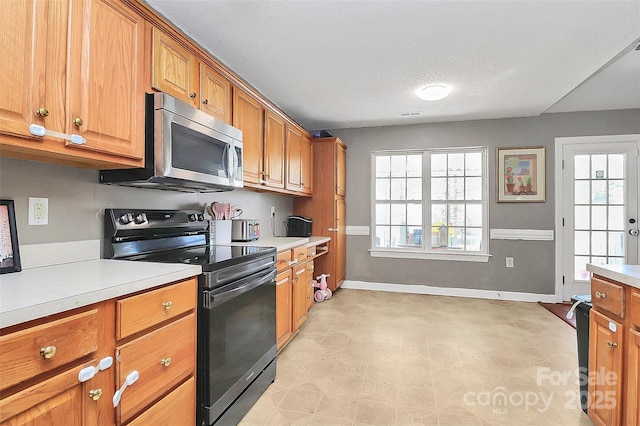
x: 39, y: 292
x: 284, y: 243
x: 626, y: 274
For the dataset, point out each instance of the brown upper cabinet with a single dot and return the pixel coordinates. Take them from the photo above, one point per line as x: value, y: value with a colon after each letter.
x: 262, y: 139
x: 299, y: 161
x: 76, y: 70
x: 177, y: 71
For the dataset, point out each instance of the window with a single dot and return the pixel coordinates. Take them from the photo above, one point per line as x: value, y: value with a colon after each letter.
x: 430, y: 204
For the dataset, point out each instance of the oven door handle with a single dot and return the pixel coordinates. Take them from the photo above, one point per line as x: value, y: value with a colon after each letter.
x: 211, y: 300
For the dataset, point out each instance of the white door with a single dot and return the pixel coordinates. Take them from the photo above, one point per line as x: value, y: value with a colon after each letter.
x: 599, y: 209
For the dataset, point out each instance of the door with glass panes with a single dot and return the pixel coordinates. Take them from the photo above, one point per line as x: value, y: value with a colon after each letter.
x: 599, y: 209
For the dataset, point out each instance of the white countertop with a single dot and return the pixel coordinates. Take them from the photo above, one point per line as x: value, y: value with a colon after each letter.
x: 626, y: 274
x: 284, y: 243
x: 38, y: 292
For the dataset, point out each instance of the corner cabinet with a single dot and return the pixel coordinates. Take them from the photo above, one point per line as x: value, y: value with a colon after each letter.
x: 327, y: 206
x: 75, y: 67
x: 614, y: 347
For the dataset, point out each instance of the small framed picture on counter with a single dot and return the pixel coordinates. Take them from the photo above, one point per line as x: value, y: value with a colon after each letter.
x: 9, y: 250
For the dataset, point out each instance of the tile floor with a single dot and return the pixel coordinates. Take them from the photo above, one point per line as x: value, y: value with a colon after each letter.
x: 374, y: 358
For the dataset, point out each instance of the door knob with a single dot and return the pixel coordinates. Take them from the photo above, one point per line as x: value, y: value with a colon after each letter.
x: 634, y: 232
x: 78, y: 121
x: 42, y: 112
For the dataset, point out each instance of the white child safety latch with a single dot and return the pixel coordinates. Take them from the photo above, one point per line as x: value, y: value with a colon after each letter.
x: 37, y: 130
x: 128, y: 381
x: 87, y: 373
x: 573, y: 308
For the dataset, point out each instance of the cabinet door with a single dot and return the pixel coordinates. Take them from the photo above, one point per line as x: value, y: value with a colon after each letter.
x: 175, y: 69
x: 274, y: 150
x: 215, y: 94
x: 341, y: 241
x: 306, y: 165
x: 106, y: 104
x: 248, y: 116
x: 56, y: 401
x: 283, y: 307
x: 341, y: 169
x: 310, y: 281
x: 633, y: 375
x: 605, y: 363
x: 34, y: 65
x: 299, y: 296
x: 294, y: 141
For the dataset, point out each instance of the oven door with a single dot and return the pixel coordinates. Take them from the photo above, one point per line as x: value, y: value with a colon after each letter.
x: 236, y: 339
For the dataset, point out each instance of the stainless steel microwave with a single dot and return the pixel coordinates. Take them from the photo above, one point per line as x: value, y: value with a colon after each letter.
x: 185, y: 150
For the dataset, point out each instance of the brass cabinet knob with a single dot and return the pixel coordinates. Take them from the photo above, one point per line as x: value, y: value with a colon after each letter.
x: 42, y: 112
x: 165, y: 361
x: 600, y: 295
x: 48, y: 352
x: 78, y: 121
x: 167, y: 305
x: 95, y: 394
x: 612, y: 344
x: 193, y: 95
x: 206, y: 101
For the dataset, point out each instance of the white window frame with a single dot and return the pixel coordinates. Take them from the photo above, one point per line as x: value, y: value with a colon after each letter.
x: 425, y: 252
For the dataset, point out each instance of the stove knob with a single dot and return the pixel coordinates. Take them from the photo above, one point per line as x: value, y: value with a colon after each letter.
x: 200, y: 216
x: 140, y: 218
x: 192, y: 217
x: 125, y: 219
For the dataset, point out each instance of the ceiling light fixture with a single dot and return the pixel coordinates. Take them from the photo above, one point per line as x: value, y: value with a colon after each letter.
x: 434, y: 92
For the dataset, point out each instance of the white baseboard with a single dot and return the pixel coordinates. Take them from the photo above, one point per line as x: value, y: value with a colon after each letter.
x: 450, y: 291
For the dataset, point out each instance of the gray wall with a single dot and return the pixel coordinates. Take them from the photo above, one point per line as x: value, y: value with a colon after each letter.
x: 77, y: 201
x: 533, y: 260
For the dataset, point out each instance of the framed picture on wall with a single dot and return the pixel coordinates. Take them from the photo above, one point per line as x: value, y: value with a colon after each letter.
x: 520, y: 175
x: 9, y: 250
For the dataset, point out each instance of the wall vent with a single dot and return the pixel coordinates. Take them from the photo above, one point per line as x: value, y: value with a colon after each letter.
x: 410, y: 114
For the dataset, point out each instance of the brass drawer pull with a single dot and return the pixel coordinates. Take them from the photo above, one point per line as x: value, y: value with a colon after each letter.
x: 95, y: 394
x: 193, y: 95
x: 167, y: 305
x: 78, y: 121
x: 611, y: 344
x: 205, y: 102
x: 48, y: 352
x: 600, y: 295
x: 42, y: 112
x: 165, y: 361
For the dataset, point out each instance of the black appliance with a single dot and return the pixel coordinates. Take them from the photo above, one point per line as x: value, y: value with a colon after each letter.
x: 299, y: 226
x: 185, y: 150
x: 582, y: 311
x: 236, y: 311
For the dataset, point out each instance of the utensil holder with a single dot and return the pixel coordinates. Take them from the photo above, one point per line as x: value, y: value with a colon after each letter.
x: 222, y: 230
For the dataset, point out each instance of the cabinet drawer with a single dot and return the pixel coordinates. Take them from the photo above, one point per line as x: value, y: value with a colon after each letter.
x: 137, y: 313
x: 635, y: 308
x: 22, y: 353
x: 608, y: 296
x: 179, y: 407
x: 283, y: 259
x: 299, y: 253
x: 163, y: 358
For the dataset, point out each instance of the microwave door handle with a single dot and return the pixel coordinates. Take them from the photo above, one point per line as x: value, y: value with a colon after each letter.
x: 225, y: 161
x: 234, y: 168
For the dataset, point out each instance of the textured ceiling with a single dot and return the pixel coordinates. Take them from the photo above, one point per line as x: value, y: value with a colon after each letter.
x: 339, y: 64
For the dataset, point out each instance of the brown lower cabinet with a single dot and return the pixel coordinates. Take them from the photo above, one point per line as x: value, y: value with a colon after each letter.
x: 614, y: 347
x: 40, y: 361
x: 294, y: 289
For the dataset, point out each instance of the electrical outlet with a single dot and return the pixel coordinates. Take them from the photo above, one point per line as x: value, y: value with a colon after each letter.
x: 509, y: 262
x: 273, y: 211
x: 38, y: 211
